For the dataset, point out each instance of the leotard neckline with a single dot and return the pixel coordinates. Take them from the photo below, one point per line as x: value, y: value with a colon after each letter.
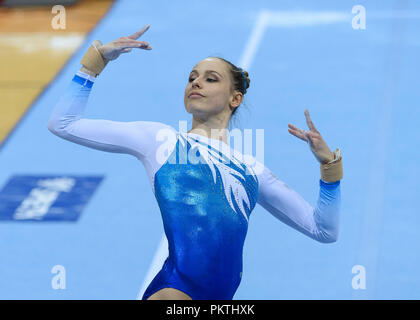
x: 206, y: 139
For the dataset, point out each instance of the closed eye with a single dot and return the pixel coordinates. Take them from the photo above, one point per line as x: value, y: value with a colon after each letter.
x: 208, y: 79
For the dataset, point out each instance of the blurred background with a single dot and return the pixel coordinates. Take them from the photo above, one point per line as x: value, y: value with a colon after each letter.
x: 77, y: 223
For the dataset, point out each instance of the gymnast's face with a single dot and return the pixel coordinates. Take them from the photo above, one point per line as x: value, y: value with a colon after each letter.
x: 209, y: 78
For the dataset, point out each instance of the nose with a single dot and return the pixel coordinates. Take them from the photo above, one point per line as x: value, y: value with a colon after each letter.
x: 195, y: 83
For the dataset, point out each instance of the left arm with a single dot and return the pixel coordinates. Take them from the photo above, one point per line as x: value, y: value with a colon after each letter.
x: 319, y: 223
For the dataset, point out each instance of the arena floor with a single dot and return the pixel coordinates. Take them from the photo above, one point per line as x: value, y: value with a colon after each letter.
x: 360, y: 85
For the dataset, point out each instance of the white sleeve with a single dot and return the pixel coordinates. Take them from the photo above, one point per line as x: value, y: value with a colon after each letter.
x: 320, y: 223
x: 137, y: 138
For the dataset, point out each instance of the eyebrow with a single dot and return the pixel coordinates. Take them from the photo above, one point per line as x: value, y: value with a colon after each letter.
x: 208, y: 71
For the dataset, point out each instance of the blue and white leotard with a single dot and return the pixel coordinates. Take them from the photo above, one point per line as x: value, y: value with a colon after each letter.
x: 206, y: 192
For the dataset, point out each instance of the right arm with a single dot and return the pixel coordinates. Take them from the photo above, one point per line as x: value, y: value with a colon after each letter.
x: 67, y: 122
x: 67, y: 119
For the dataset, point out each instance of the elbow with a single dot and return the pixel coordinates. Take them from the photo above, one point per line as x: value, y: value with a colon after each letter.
x: 52, y: 127
x: 56, y: 125
x: 326, y: 237
x: 329, y: 240
x: 56, y: 128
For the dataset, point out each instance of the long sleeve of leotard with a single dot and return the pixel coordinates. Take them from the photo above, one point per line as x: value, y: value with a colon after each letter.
x: 320, y: 222
x: 137, y: 138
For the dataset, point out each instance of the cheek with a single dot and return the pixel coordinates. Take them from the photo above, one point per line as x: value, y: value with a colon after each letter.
x: 218, y: 94
x: 220, y: 98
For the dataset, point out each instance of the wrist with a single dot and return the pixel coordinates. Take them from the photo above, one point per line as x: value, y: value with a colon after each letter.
x: 333, y: 170
x: 330, y: 159
x: 87, y: 71
x: 335, y: 156
x: 93, y: 62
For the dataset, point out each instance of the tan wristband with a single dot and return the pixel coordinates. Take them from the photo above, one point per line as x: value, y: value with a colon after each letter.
x: 332, y: 171
x: 93, y: 60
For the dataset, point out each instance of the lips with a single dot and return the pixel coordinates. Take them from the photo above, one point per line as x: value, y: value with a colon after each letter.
x: 195, y: 94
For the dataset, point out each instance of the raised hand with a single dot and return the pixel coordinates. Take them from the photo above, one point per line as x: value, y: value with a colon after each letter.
x: 317, y: 144
x: 112, y: 50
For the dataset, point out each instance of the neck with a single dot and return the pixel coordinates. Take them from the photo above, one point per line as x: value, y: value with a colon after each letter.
x: 213, y: 128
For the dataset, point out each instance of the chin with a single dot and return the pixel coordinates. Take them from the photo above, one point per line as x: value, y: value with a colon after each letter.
x: 196, y: 110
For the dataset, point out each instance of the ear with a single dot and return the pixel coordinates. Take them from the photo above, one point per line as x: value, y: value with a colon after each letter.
x: 236, y: 99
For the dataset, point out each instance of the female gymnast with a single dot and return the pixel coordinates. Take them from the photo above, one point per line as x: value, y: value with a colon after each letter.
x: 205, y: 204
